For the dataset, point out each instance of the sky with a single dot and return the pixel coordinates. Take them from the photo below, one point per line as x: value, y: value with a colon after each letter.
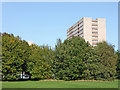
x: 45, y: 22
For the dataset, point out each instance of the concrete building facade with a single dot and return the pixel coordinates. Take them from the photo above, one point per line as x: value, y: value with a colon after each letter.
x: 93, y: 31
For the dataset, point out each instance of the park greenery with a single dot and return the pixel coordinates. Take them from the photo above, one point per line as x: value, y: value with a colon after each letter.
x: 73, y: 59
x: 88, y: 85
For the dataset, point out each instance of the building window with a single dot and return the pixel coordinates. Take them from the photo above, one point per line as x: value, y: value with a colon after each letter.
x: 94, y: 29
x: 80, y: 23
x: 95, y: 33
x: 94, y: 40
x: 94, y: 37
x: 94, y: 25
x: 75, y: 26
x: 81, y: 34
x: 80, y: 26
x: 75, y: 34
x: 81, y: 30
x: 75, y: 30
x: 94, y: 22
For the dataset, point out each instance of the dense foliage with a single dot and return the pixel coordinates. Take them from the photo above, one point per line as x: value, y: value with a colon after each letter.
x: 40, y: 62
x: 118, y: 65
x: 15, y: 53
x: 0, y: 57
x: 70, y: 59
x: 74, y: 59
x: 108, y: 60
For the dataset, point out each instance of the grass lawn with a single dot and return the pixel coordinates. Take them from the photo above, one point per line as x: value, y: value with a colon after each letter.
x: 59, y: 84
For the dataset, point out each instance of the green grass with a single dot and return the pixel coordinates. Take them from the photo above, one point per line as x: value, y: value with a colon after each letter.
x: 59, y: 84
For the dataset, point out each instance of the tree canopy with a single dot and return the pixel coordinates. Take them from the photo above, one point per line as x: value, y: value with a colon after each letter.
x: 15, y: 53
x: 74, y: 59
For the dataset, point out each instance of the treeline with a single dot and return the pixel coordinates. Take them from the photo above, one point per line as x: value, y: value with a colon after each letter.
x: 74, y: 59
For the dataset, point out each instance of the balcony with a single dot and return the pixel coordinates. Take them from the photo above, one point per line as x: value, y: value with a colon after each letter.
x: 95, y: 39
x: 94, y: 20
x: 94, y: 24
x: 94, y: 27
x: 94, y: 35
x: 95, y: 31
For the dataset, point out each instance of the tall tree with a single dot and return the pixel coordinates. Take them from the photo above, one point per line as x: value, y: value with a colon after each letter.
x: 0, y: 56
x: 14, y: 56
x: 40, y: 62
x: 107, y: 62
x: 118, y: 65
x: 70, y: 59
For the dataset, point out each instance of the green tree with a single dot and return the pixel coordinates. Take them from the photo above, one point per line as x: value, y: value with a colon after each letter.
x: 40, y: 62
x: 25, y: 54
x: 107, y: 62
x: 0, y: 56
x: 118, y: 65
x: 70, y: 59
x: 14, y: 56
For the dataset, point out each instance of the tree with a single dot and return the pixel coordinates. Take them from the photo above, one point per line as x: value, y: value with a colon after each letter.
x: 0, y: 56
x: 70, y: 59
x: 14, y: 56
x: 40, y: 62
x: 74, y: 59
x: 59, y: 43
x: 118, y: 65
x: 107, y: 62
x: 25, y: 54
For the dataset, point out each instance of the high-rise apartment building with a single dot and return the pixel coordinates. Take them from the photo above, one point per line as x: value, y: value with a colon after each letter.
x: 92, y: 31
